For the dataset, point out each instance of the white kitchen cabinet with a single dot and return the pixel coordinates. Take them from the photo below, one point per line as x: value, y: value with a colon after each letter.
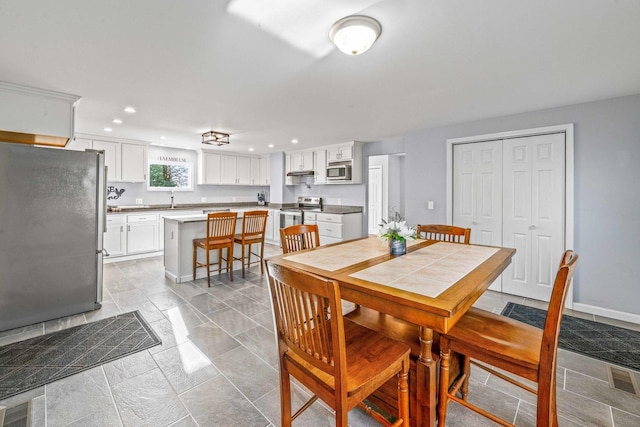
x: 142, y: 233
x: 265, y: 171
x: 210, y: 170
x: 236, y: 170
x: 110, y: 158
x: 320, y: 173
x: 340, y: 153
x: 335, y: 228
x: 33, y: 111
x: 272, y: 233
x: 255, y: 171
x: 115, y: 237
x: 133, y: 166
x: 125, y: 161
x: 301, y: 161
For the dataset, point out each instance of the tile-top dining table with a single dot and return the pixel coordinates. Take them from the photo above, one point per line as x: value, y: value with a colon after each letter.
x: 431, y: 286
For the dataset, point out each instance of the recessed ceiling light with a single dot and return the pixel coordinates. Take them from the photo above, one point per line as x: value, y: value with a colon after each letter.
x: 294, y: 141
x: 163, y: 137
x: 108, y: 129
x: 250, y: 149
x: 129, y: 110
x: 270, y: 145
x: 117, y: 121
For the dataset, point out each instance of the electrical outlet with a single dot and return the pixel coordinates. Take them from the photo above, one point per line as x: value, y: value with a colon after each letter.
x: 430, y: 204
x: 138, y: 201
x: 203, y: 200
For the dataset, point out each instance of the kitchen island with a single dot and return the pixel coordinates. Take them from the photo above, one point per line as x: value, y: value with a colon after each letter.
x: 179, y: 232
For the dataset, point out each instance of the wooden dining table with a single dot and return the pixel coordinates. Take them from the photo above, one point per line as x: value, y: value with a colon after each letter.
x: 431, y: 286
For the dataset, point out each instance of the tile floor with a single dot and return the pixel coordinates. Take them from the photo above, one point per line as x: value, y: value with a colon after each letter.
x: 217, y: 365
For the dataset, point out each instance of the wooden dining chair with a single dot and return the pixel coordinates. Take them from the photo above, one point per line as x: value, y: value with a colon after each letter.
x: 338, y: 361
x: 254, y: 224
x: 444, y: 233
x: 298, y: 237
x: 484, y: 338
x: 221, y: 227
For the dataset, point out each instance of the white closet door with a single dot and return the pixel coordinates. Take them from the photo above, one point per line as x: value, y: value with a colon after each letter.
x: 477, y: 189
x: 533, y: 212
x: 477, y: 183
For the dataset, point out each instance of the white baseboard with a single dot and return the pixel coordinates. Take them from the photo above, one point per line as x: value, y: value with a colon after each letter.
x: 606, y: 312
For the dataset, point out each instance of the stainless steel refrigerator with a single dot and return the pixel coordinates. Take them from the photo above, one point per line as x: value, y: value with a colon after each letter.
x: 52, y: 218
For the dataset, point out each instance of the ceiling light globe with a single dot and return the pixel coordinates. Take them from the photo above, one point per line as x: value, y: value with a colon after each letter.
x: 355, y: 34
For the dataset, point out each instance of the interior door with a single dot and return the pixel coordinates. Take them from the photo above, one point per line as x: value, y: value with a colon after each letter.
x: 375, y: 198
x: 533, y: 223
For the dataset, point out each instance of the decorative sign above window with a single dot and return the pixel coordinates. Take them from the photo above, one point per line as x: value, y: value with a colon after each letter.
x: 170, y: 175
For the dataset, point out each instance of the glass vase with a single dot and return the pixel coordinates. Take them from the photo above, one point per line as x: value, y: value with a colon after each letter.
x: 397, y: 247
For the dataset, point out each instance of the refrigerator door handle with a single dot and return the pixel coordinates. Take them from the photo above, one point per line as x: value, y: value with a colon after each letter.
x: 103, y: 251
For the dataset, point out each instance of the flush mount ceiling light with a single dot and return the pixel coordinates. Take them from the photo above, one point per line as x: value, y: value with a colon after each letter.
x: 215, y: 138
x: 355, y: 34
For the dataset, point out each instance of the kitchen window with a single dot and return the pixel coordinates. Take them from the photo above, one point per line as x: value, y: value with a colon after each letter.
x: 164, y: 175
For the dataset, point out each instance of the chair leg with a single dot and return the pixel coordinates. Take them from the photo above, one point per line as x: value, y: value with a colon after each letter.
x: 219, y: 261
x: 466, y: 370
x: 242, y: 257
x: 403, y: 394
x: 262, y: 257
x: 230, y: 261
x: 208, y: 269
x: 285, y: 398
x: 195, y: 256
x: 443, y: 385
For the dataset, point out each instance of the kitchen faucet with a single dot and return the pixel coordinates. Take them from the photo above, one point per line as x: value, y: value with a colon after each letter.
x: 173, y: 205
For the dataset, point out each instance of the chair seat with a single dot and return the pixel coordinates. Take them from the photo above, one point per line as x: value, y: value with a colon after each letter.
x: 253, y: 239
x: 368, y: 352
x: 499, y: 338
x: 203, y: 243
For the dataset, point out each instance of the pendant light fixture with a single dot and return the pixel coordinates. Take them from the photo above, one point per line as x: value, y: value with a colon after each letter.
x: 215, y: 138
x: 355, y: 34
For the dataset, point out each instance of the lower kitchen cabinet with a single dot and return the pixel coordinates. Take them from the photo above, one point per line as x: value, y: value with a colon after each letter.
x: 335, y: 228
x: 142, y: 233
x: 115, y: 238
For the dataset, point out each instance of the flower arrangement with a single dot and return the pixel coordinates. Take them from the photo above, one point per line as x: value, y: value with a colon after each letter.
x: 395, y: 228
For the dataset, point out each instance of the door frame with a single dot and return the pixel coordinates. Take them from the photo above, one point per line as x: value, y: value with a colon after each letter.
x: 569, y: 175
x: 383, y: 196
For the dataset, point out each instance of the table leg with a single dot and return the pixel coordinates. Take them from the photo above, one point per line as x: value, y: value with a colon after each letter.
x: 426, y: 381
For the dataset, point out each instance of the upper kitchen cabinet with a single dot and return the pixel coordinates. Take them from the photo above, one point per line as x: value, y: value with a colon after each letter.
x: 36, y: 116
x: 300, y: 161
x: 340, y: 153
x: 125, y: 161
x: 210, y: 168
x: 265, y: 171
x: 236, y: 170
x: 320, y: 174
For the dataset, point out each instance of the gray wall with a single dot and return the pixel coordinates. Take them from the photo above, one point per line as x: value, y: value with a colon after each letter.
x: 607, y: 200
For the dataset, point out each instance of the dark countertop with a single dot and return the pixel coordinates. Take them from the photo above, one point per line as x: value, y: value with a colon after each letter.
x: 332, y: 209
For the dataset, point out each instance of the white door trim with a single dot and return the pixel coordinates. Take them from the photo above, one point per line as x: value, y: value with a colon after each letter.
x: 569, y: 171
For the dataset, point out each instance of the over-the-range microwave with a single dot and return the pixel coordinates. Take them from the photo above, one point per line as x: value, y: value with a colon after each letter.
x: 341, y: 172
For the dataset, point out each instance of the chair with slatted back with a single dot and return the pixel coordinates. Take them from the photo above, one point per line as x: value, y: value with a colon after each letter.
x: 338, y: 361
x: 444, y: 233
x: 298, y: 237
x: 254, y: 224
x: 221, y: 227
x: 483, y: 338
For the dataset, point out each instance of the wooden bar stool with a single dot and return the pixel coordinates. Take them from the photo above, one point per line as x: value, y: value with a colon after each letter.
x: 298, y: 237
x: 221, y: 227
x: 338, y: 361
x: 511, y: 346
x: 254, y: 224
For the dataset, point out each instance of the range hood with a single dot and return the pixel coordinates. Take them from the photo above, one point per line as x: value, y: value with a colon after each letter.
x: 301, y: 173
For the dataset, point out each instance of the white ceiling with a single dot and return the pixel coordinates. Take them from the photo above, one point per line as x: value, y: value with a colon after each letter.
x: 194, y: 65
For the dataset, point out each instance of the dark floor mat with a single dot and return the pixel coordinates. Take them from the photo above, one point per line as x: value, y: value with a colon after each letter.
x: 612, y: 344
x: 37, y: 361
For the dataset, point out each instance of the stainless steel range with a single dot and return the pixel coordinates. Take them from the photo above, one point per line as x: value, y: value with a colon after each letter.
x: 295, y: 214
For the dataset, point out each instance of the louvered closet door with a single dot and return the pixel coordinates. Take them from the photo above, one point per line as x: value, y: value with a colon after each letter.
x: 533, y: 212
x: 477, y: 184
